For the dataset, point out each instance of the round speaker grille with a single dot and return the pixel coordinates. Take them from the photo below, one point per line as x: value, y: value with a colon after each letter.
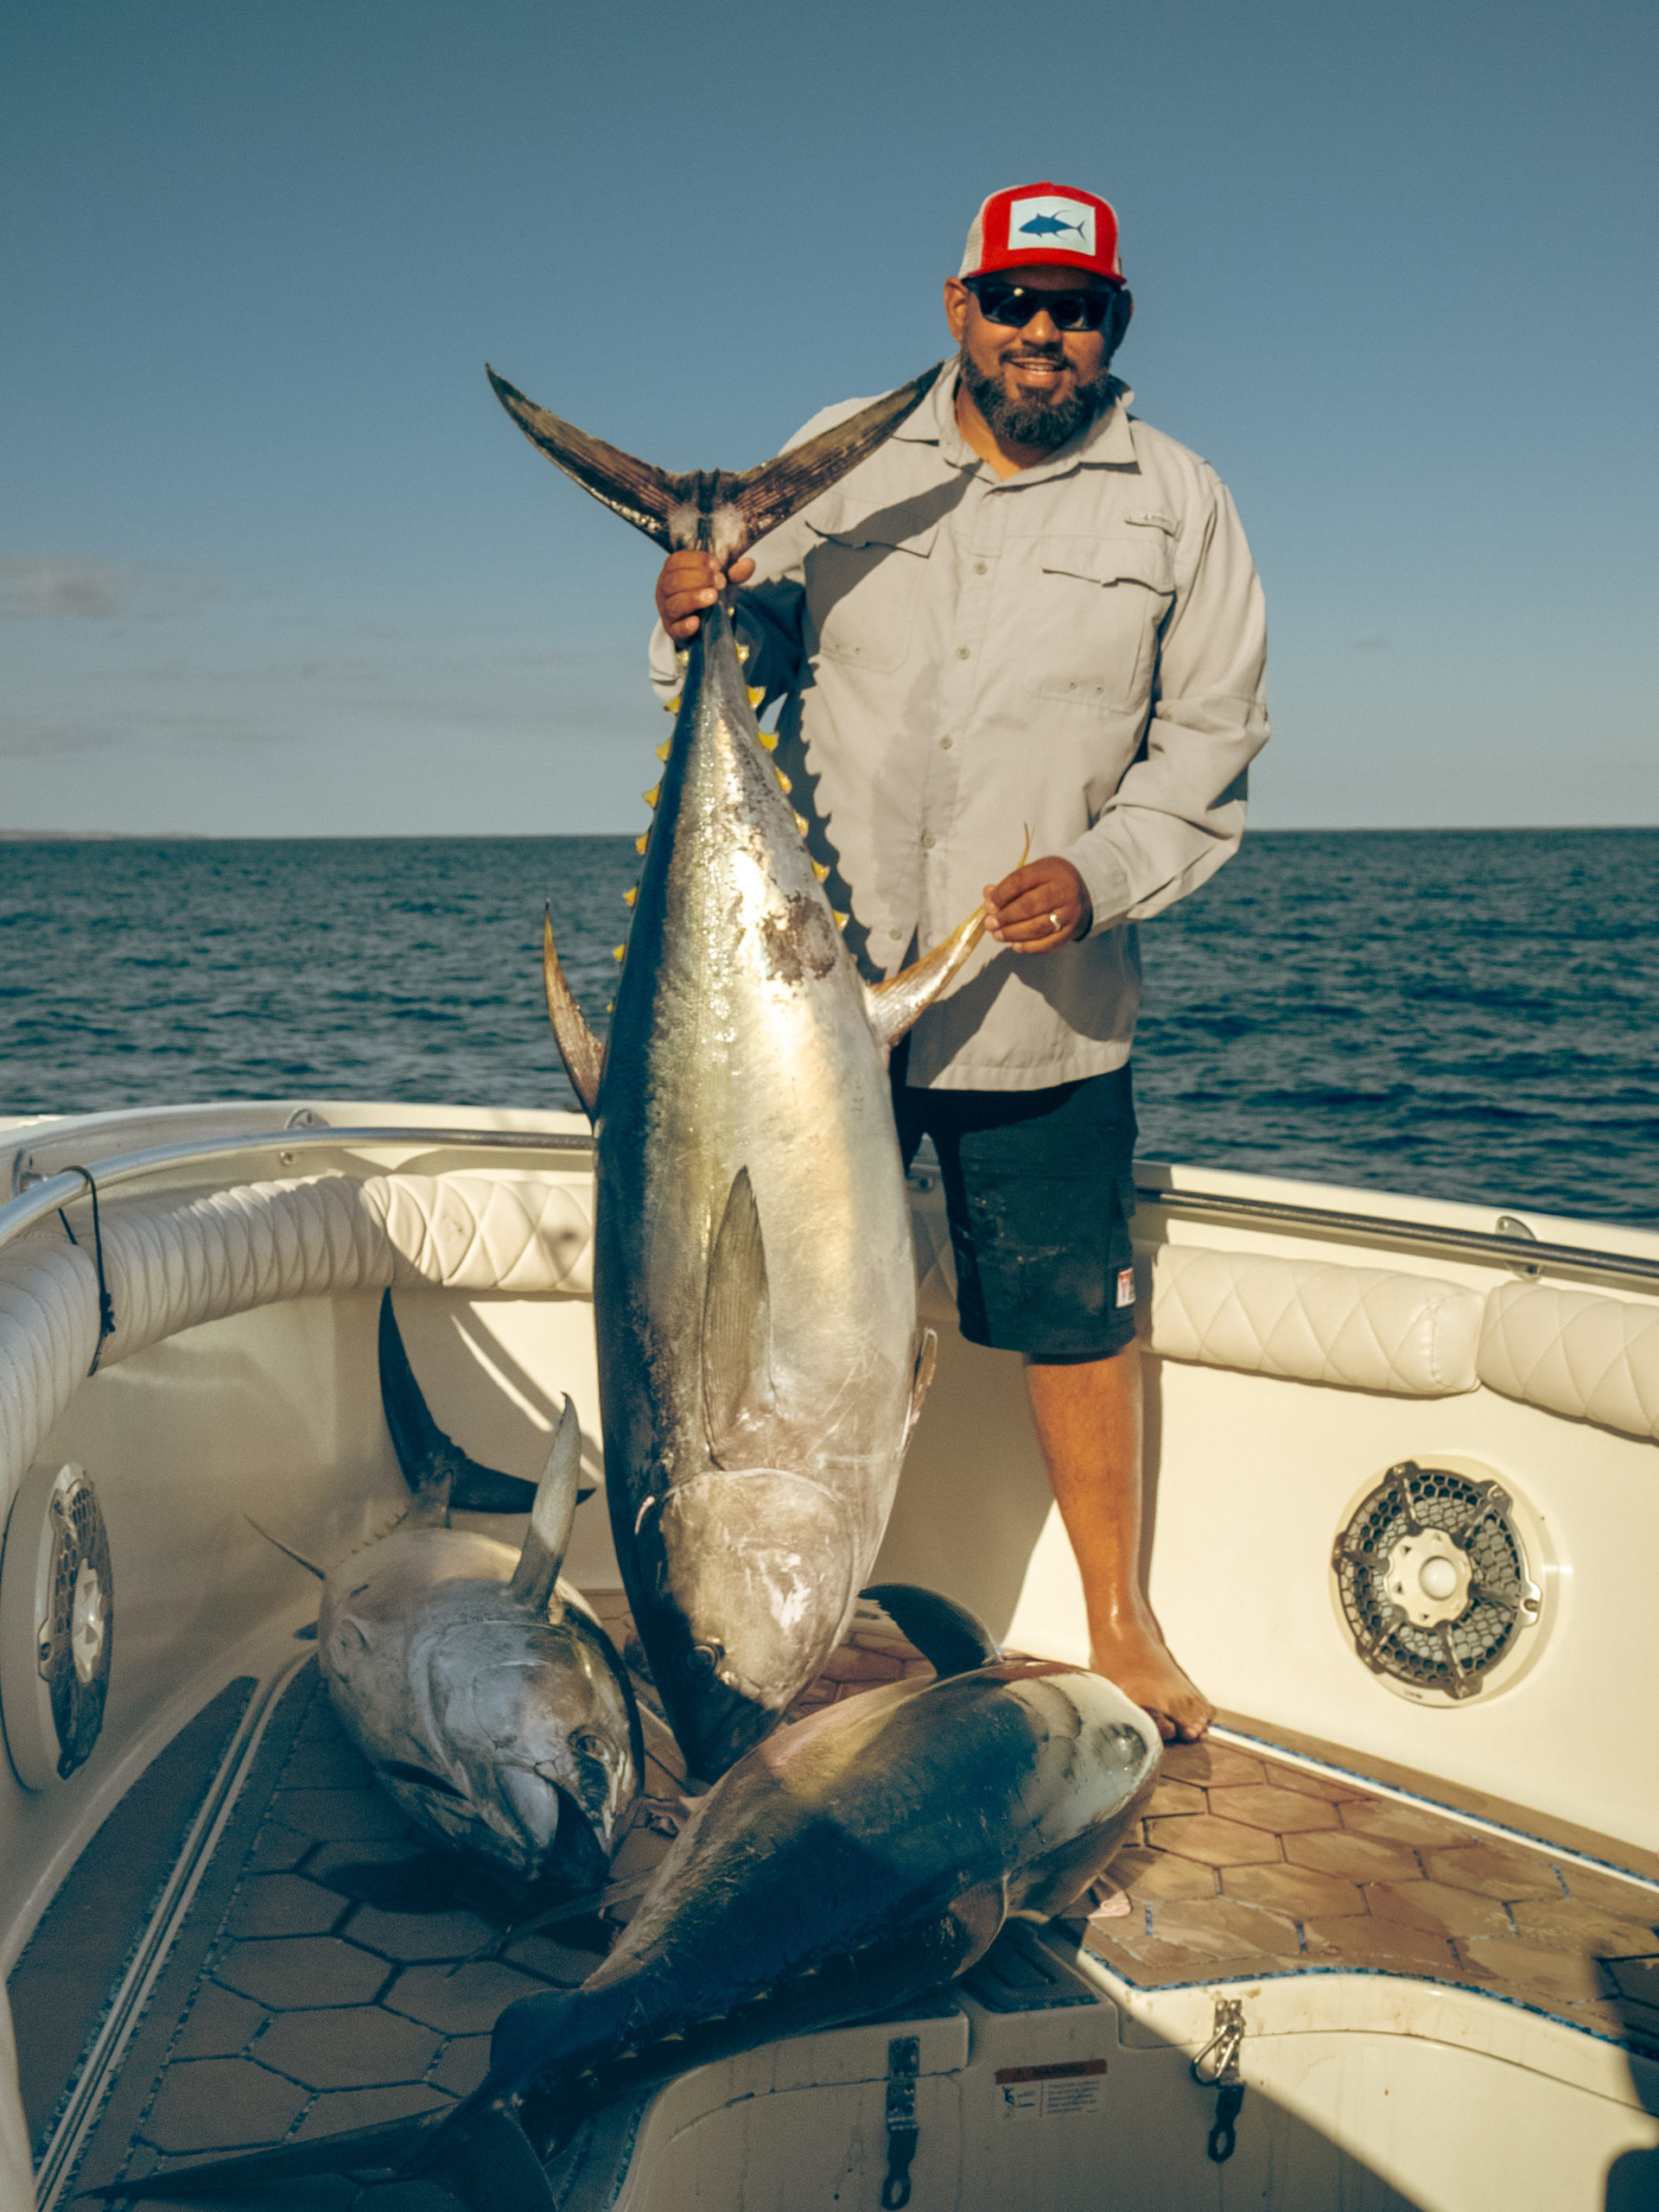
x: 57, y: 1624
x: 1433, y: 1581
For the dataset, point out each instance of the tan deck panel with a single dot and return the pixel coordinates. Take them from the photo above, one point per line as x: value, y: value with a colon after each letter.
x: 1278, y: 1871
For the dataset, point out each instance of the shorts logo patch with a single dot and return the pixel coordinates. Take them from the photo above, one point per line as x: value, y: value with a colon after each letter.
x: 1044, y: 220
x: 1125, y: 1286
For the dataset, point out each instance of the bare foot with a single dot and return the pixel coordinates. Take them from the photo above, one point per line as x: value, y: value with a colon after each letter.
x: 1134, y: 1656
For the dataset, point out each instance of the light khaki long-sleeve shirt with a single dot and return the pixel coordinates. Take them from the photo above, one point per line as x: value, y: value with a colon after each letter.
x: 1076, y: 651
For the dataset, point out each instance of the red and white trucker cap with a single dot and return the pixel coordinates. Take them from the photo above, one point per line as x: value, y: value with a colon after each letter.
x: 1044, y: 223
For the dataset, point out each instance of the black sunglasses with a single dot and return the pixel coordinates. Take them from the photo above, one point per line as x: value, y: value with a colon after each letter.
x: 1016, y: 305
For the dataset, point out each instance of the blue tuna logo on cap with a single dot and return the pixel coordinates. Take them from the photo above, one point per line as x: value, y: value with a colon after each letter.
x: 1044, y: 226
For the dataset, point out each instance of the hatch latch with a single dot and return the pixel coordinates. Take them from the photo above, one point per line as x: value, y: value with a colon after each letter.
x: 1217, y: 2067
x: 904, y: 2065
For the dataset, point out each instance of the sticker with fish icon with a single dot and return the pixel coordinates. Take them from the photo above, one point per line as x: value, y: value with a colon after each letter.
x: 1047, y: 220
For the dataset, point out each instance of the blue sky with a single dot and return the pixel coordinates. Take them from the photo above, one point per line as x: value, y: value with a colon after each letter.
x: 271, y: 559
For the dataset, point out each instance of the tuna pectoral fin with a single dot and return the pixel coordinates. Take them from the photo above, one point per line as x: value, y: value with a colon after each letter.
x: 436, y: 1469
x: 580, y: 1051
x: 894, y: 1005
x: 737, y: 1389
x: 950, y: 1638
x: 552, y: 1515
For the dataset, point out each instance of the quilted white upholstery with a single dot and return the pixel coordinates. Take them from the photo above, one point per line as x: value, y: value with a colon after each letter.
x: 1572, y: 1353
x: 175, y: 1262
x: 1364, y: 1328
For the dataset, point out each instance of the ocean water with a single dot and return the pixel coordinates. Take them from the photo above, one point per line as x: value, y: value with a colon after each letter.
x: 1466, y: 1014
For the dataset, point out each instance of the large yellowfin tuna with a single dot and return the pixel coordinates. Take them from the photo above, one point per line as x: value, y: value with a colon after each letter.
x: 761, y: 1366
x: 858, y: 1859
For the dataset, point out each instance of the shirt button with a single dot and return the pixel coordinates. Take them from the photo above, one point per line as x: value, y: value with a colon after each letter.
x: 927, y: 841
x: 961, y: 652
x: 945, y: 745
x: 979, y: 568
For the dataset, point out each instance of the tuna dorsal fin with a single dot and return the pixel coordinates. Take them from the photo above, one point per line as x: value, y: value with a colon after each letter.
x: 548, y: 1535
x: 711, y: 507
x: 952, y: 1640
x: 437, y: 1471
x: 580, y: 1051
x: 736, y: 1327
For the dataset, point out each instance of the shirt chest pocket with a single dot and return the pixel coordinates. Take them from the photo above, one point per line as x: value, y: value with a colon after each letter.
x: 861, y: 588
x: 1104, y: 601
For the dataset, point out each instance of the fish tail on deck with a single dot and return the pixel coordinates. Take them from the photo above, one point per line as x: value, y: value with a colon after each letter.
x: 438, y: 1472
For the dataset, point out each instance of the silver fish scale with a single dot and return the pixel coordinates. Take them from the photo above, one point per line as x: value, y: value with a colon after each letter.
x: 741, y: 1042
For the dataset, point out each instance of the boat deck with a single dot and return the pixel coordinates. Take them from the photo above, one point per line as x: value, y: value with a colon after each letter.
x: 333, y: 1974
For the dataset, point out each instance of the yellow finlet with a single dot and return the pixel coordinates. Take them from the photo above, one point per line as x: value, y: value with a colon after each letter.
x: 841, y: 920
x: 642, y: 840
x: 802, y: 824
x: 682, y: 656
x: 756, y: 697
x: 769, y: 739
x: 743, y: 653
x: 784, y: 784
x: 821, y: 871
x: 664, y: 748
x: 652, y: 796
x: 617, y: 951
x: 630, y: 894
x: 672, y: 706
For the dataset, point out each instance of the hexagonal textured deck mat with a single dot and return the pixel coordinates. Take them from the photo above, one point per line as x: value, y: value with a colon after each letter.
x: 1280, y: 1869
x: 349, y: 1979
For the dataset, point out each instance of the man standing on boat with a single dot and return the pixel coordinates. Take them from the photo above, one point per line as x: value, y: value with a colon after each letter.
x: 1027, y: 611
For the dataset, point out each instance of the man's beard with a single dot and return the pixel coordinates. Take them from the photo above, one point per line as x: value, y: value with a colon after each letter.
x: 1040, y: 418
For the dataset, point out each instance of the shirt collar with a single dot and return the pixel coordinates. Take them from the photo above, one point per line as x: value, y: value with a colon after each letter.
x: 1107, y: 441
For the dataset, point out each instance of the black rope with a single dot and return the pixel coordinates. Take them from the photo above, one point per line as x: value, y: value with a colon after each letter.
x: 105, y: 1303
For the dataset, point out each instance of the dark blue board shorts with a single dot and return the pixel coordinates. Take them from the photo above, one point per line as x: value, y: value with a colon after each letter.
x: 1039, y: 1189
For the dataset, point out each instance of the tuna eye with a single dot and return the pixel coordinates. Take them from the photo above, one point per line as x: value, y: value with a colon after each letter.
x: 588, y: 1744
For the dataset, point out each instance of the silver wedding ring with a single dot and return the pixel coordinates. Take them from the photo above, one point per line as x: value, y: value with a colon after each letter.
x: 1054, y: 921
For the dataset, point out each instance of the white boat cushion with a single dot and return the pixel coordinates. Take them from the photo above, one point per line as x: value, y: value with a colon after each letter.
x: 175, y: 1262
x: 1313, y: 1321
x: 1572, y: 1353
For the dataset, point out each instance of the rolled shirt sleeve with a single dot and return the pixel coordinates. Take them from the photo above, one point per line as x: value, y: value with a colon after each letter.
x: 1178, y: 812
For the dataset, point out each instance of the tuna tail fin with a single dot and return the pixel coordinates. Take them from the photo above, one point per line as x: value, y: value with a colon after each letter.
x: 952, y: 1640
x: 768, y: 495
x: 384, y: 2150
x: 713, y: 508
x: 436, y: 1469
x: 580, y: 1051
x: 489, y: 2165
x: 552, y: 1515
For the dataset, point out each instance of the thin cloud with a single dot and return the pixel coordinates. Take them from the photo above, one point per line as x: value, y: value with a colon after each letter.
x: 1370, y: 644
x: 42, y: 590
